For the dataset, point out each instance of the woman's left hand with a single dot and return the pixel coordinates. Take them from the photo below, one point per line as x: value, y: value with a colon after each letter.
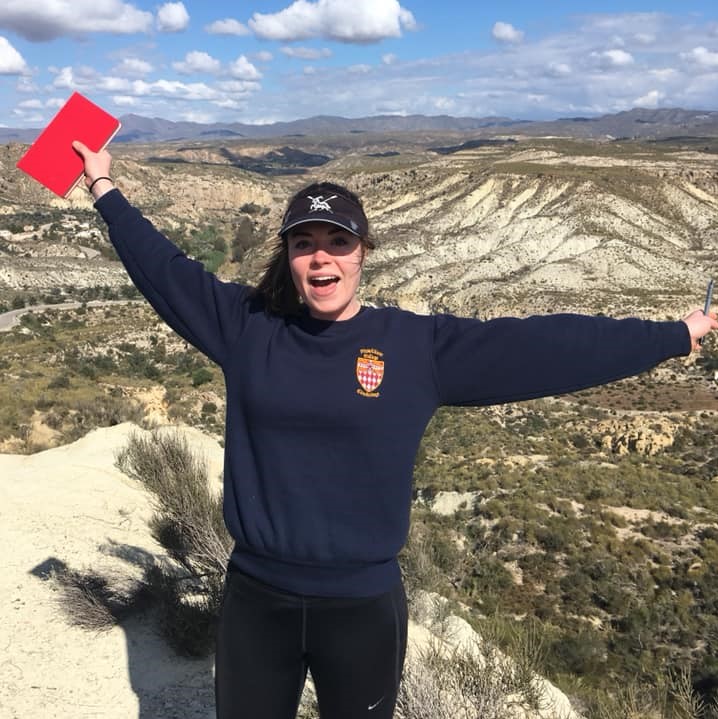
x: 699, y: 325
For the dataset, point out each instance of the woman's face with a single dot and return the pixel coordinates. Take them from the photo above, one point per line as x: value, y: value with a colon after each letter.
x: 326, y: 264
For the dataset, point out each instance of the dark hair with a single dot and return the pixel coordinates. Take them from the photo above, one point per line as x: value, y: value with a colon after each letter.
x: 276, y: 286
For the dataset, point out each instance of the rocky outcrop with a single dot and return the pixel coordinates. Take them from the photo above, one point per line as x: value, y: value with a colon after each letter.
x: 449, y: 503
x: 478, y: 233
x: 641, y: 434
x: 435, y: 631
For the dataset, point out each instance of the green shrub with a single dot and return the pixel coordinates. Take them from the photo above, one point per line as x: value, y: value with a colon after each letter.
x: 201, y: 376
x: 62, y: 381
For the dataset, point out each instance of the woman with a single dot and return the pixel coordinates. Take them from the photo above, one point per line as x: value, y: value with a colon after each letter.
x: 327, y: 402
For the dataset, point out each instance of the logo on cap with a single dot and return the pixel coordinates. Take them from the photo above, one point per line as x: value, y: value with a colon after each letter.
x: 319, y: 204
x: 369, y: 372
x: 336, y: 209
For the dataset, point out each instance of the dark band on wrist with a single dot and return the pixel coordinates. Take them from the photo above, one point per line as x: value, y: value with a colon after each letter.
x: 97, y: 179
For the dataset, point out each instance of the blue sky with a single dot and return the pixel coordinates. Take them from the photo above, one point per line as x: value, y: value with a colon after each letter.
x: 258, y: 62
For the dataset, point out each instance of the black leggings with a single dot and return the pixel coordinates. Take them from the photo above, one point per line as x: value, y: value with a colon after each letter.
x: 268, y: 639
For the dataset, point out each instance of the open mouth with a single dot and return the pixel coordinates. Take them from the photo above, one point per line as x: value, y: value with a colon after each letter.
x: 325, y: 281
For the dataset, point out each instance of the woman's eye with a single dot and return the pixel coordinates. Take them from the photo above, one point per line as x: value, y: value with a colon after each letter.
x: 340, y: 241
x: 301, y: 244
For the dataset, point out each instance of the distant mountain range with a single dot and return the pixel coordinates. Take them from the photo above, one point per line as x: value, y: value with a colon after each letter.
x: 637, y: 123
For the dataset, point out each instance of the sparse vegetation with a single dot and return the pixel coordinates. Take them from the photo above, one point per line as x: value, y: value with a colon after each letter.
x: 617, y: 598
x: 463, y: 684
x: 80, y: 369
x: 185, y: 588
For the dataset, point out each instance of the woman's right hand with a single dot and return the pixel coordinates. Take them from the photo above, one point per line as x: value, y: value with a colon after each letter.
x: 97, y: 164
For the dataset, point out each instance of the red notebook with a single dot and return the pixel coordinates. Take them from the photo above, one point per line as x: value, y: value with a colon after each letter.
x: 51, y: 159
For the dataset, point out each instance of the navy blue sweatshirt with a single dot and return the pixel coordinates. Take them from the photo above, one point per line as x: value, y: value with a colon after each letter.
x: 324, y: 418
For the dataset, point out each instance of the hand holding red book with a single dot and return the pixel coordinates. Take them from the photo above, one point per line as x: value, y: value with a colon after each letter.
x: 51, y: 159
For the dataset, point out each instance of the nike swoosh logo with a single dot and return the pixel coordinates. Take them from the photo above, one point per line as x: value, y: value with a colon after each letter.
x: 374, y: 706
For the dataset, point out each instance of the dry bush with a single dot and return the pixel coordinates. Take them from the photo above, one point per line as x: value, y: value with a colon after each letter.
x: 188, y: 523
x: 188, y: 520
x: 430, y: 560
x: 95, y: 602
x: 187, y: 610
x: 465, y: 684
x: 184, y: 589
x: 674, y: 698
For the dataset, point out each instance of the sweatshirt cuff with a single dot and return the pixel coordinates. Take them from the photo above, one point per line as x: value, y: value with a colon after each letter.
x: 111, y: 205
x: 680, y: 339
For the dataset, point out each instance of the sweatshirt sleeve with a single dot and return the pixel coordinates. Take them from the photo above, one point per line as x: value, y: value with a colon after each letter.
x: 199, y: 307
x: 510, y: 359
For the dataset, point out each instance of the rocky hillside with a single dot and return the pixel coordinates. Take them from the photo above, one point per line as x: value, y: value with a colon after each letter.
x: 526, y: 226
x: 531, y: 229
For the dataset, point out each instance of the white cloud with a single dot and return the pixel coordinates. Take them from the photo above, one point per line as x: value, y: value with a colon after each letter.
x: 623, y: 22
x: 197, y: 62
x: 25, y: 84
x: 109, y: 83
x: 65, y: 78
x: 228, y: 26
x: 702, y: 56
x: 651, y: 99
x: 559, y: 69
x: 264, y: 56
x: 645, y: 38
x: 619, y: 58
x: 353, y: 21
x: 172, y: 17
x: 124, y: 101
x: 133, y: 67
x: 389, y: 58
x: 35, y: 118
x: 238, y: 87
x: 242, y: 69
x: 31, y: 105
x: 37, y: 22
x: 202, y: 117
x: 228, y: 104
x: 306, y: 53
x: 86, y: 78
x: 360, y: 69
x: 505, y: 32
x: 613, y: 58
x: 665, y: 74
x: 407, y: 20
x: 11, y: 61
x: 309, y: 70
x: 444, y: 105
x: 175, y: 90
